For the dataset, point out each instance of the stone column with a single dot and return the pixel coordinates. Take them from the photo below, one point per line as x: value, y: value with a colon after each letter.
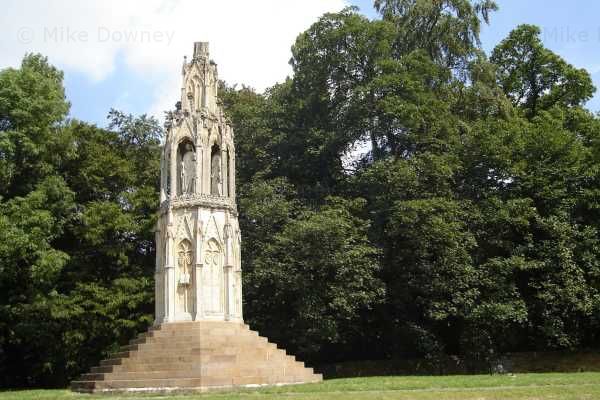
x: 203, y: 96
x: 224, y: 166
x: 199, y: 309
x: 239, y: 299
x: 238, y: 271
x: 169, y: 277
x: 157, y: 277
x: 215, y: 84
x: 232, y: 195
x: 228, y: 292
x: 163, y: 178
x: 207, y: 161
x: 228, y: 266
x: 173, y: 169
x: 204, y: 77
x: 158, y: 241
x: 157, y: 313
x: 198, y: 97
x: 199, y: 158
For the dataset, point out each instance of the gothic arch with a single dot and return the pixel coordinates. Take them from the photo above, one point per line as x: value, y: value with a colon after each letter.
x: 215, y: 137
x: 194, y: 87
x: 184, y: 136
x: 184, y: 227
x: 229, y: 171
x: 186, y: 166
x: 184, y: 279
x: 214, y: 278
x: 212, y: 231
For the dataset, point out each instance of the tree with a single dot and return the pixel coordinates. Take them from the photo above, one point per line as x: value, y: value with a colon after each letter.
x: 318, y: 274
x: 76, y: 212
x: 32, y: 106
x: 447, y: 30
x: 535, y: 78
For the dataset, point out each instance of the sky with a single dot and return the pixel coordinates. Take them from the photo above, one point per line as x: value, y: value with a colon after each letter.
x: 127, y: 54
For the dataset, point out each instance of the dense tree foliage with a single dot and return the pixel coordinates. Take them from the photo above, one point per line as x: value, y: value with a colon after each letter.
x: 402, y: 195
x: 476, y: 184
x: 76, y: 248
x: 535, y: 78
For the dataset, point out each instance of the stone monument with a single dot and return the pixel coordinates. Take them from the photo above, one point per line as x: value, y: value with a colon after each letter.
x: 199, y: 340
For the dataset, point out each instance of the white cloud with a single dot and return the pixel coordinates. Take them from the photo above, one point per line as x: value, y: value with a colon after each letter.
x: 250, y: 40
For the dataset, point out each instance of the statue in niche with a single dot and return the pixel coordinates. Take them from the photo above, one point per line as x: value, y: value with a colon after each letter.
x: 215, y: 172
x: 188, y: 169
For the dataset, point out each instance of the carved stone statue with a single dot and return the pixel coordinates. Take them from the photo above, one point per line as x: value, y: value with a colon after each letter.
x: 215, y: 174
x: 188, y: 170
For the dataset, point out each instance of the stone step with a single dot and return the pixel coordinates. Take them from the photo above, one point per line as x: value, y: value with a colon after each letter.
x: 257, y: 350
x: 196, y: 327
x: 187, y: 383
x: 193, y: 350
x: 92, y: 377
x: 186, y: 342
x: 111, y: 362
x: 201, y: 331
x: 204, y: 362
x: 191, y: 347
x: 193, y: 365
x: 195, y: 333
x: 206, y: 355
x: 138, y: 384
x: 103, y: 369
x: 199, y: 371
x: 153, y: 360
x: 143, y: 367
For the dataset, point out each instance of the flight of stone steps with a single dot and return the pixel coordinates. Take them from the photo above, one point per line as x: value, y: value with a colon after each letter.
x: 195, y: 356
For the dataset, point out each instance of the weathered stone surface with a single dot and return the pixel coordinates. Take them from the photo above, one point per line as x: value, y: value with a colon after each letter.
x: 196, y: 356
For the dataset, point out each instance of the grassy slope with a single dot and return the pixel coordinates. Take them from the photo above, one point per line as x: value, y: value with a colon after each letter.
x: 480, y: 387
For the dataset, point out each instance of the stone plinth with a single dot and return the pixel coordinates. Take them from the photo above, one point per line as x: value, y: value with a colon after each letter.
x: 195, y: 356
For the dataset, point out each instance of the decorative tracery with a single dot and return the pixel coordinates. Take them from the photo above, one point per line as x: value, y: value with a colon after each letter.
x: 185, y: 258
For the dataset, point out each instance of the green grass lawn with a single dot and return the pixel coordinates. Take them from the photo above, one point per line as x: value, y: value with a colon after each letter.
x: 480, y: 387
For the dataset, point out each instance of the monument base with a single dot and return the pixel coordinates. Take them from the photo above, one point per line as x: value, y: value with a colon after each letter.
x: 195, y: 356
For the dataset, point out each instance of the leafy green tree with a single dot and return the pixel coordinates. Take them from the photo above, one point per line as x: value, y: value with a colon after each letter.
x: 318, y: 274
x: 251, y: 114
x: 32, y: 106
x: 534, y: 77
x: 430, y: 272
x: 447, y: 30
x: 77, y: 211
x: 334, y: 62
x: 30, y: 271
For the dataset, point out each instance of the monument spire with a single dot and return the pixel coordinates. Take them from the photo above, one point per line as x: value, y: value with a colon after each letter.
x: 200, y: 50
